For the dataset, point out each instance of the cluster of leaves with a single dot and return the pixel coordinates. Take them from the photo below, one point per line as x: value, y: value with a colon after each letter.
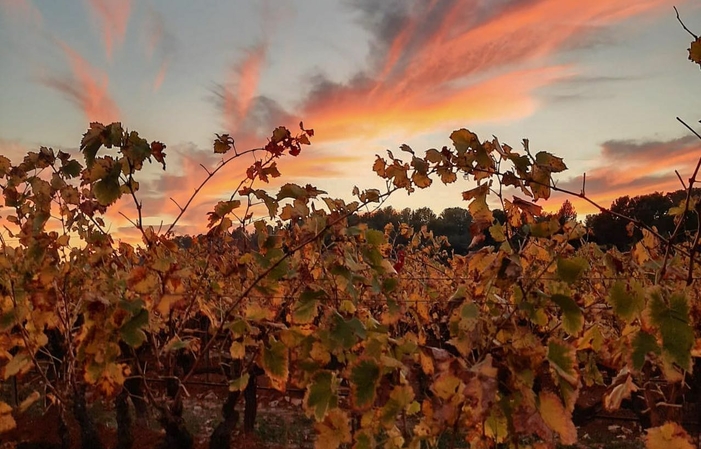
x: 494, y: 346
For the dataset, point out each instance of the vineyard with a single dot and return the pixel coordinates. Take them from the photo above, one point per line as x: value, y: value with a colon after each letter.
x: 391, y: 340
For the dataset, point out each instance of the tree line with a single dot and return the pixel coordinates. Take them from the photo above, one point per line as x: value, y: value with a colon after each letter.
x: 652, y: 209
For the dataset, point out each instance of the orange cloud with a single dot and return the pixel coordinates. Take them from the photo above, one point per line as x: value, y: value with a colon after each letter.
x: 87, y: 88
x: 242, y: 86
x: 113, y: 17
x: 22, y: 9
x: 634, y: 168
x: 444, y: 62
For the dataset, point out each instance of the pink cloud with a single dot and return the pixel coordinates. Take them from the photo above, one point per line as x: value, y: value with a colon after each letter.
x: 87, y: 88
x: 113, y: 17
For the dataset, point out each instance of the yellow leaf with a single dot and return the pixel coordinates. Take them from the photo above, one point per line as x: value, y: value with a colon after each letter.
x: 556, y: 417
x: 7, y: 422
x: 28, y: 401
x: 668, y: 436
x: 237, y: 350
x: 166, y: 303
x: 333, y: 431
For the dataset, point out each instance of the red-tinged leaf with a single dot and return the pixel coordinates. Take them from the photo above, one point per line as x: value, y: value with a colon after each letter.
x: 380, y: 167
x: 695, y: 51
x: 157, y: 152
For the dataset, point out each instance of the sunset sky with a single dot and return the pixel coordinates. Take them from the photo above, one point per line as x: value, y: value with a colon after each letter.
x: 597, y: 82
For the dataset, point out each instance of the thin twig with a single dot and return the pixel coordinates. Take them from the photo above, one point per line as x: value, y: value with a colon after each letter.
x: 682, y: 23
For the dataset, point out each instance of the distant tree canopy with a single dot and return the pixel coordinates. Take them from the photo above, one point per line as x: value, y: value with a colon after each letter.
x: 651, y: 209
x: 453, y: 223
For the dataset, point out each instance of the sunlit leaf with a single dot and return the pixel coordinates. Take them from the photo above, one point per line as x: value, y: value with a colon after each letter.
x: 668, y: 436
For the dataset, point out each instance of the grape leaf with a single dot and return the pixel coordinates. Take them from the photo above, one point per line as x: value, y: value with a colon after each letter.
x: 365, y: 375
x: 306, y: 308
x: 554, y: 164
x: 668, y: 436
x: 7, y: 422
x: 274, y: 360
x: 333, y: 431
x: 556, y: 417
x: 563, y: 359
x: 321, y: 395
x: 695, y: 51
x: 569, y: 270
x: 673, y: 323
x: 132, y: 331
x: 643, y: 344
x: 627, y: 305
x: 572, y: 317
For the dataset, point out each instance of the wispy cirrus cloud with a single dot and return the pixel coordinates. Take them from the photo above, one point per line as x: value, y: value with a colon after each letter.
x: 86, y: 87
x: 434, y: 64
x: 113, y: 17
x: 160, y: 45
x: 23, y: 10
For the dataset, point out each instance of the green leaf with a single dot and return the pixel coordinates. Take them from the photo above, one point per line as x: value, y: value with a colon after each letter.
x: 569, y: 270
x: 643, y: 344
x: 131, y: 331
x: 673, y: 323
x: 374, y: 237
x: 400, y: 397
x: 572, y: 317
x: 345, y: 333
x: 275, y: 363
x: 306, y: 308
x: 321, y: 394
x: 240, y: 383
x: 364, y: 377
x: 627, y: 305
x: 563, y: 358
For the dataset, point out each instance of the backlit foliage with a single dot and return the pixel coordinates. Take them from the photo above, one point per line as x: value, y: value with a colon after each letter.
x: 495, y: 346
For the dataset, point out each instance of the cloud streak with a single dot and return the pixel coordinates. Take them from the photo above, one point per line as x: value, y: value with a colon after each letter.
x: 86, y: 87
x: 160, y: 45
x: 24, y: 10
x: 632, y: 168
x: 113, y: 18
